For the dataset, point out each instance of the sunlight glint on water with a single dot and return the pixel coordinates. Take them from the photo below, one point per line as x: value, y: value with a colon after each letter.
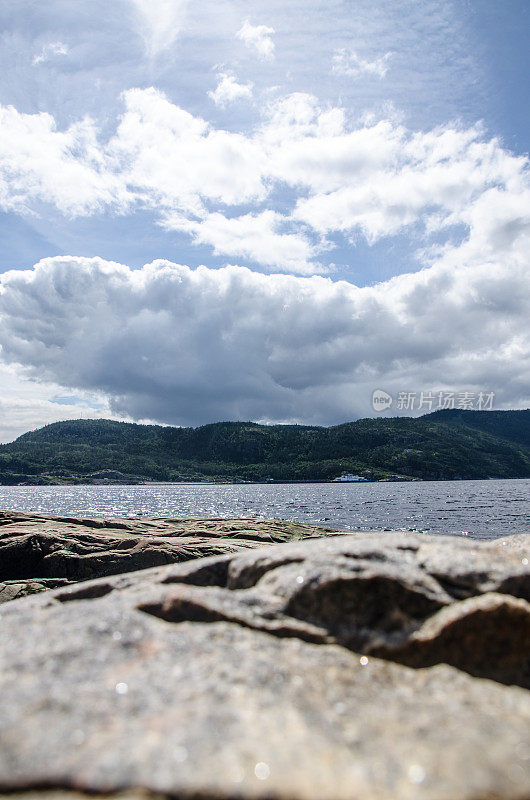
x: 479, y: 509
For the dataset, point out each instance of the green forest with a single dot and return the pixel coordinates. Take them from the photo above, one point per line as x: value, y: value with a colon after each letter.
x: 443, y: 445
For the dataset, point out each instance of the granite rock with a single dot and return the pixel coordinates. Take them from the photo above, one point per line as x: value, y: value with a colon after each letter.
x: 419, y: 600
x: 39, y: 552
x: 253, y: 675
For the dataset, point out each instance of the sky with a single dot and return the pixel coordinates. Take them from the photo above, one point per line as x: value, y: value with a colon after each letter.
x: 262, y: 210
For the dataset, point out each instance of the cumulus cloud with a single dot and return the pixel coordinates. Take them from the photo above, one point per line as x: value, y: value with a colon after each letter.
x: 257, y: 237
x: 173, y: 158
x: 434, y: 178
x: 189, y: 346
x: 228, y: 90
x: 370, y: 179
x: 49, y: 51
x: 67, y: 168
x: 348, y: 62
x: 258, y: 38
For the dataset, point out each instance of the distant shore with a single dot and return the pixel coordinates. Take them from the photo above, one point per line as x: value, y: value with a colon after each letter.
x: 80, y: 481
x: 444, y: 445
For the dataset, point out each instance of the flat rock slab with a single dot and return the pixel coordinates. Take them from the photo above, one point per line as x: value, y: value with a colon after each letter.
x: 253, y: 675
x: 36, y: 550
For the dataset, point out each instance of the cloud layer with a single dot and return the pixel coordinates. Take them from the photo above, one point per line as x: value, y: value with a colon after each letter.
x: 367, y: 180
x: 190, y: 346
x: 236, y: 163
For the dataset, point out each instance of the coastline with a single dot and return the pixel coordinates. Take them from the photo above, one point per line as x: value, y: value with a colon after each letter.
x: 221, y: 482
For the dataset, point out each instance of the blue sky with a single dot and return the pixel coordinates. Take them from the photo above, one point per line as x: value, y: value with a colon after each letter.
x: 450, y: 62
x: 364, y: 142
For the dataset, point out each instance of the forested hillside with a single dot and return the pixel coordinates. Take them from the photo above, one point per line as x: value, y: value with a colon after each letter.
x: 442, y: 445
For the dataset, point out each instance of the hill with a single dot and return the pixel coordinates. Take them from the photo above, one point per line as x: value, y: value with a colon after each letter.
x: 442, y: 445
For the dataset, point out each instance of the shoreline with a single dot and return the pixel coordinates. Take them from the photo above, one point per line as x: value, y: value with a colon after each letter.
x: 256, y: 483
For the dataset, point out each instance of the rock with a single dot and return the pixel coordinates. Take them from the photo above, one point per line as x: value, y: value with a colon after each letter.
x: 246, y: 675
x: 35, y: 549
x: 487, y: 636
x: 13, y: 590
x: 418, y: 600
x: 517, y: 541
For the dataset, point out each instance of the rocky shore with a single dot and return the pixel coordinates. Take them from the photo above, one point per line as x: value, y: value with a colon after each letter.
x: 40, y: 552
x: 261, y: 659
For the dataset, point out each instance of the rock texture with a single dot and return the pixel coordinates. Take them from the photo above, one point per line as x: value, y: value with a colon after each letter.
x: 417, y: 600
x: 255, y: 675
x: 13, y: 590
x: 40, y: 552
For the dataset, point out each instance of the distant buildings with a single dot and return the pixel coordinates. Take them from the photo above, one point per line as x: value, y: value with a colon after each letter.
x: 349, y: 479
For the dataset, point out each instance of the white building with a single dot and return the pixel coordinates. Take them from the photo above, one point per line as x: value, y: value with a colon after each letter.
x: 349, y: 479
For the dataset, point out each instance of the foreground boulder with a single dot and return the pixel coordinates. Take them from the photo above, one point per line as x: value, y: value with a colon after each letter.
x: 40, y: 552
x: 253, y: 675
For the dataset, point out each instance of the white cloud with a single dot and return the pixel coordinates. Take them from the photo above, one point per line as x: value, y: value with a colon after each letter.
x: 159, y: 23
x: 348, y: 62
x: 433, y: 75
x: 69, y: 169
x: 174, y: 158
x: 258, y: 38
x: 432, y: 178
x: 257, y: 237
x: 228, y: 90
x: 49, y: 51
x: 368, y: 180
x: 189, y: 346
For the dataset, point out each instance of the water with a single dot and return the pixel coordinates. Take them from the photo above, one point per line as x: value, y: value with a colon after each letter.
x: 479, y: 509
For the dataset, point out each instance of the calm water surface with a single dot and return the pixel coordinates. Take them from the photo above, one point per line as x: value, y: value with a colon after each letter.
x: 479, y: 509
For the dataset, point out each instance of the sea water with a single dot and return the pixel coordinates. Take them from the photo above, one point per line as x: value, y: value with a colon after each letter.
x: 478, y: 509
